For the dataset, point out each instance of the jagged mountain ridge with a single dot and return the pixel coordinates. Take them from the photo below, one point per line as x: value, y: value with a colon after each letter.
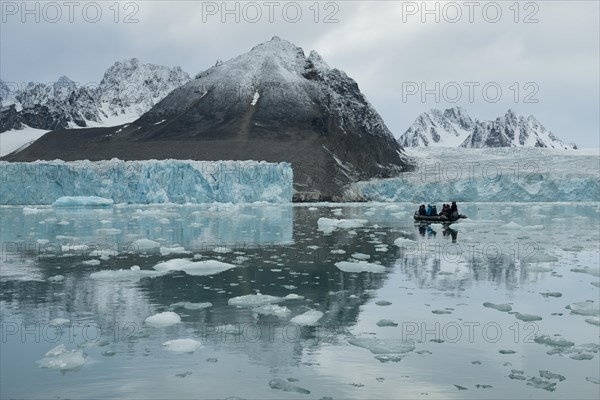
x: 127, y: 90
x: 272, y: 103
x: 453, y: 127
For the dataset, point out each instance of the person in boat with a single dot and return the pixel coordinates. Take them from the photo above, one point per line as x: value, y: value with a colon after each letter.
x: 422, y: 210
x: 429, y: 209
x: 445, y: 211
x: 434, y: 210
x: 454, y: 210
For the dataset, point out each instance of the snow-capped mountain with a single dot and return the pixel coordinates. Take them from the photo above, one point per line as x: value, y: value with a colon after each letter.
x: 455, y: 128
x: 272, y: 103
x: 132, y: 87
x: 127, y: 90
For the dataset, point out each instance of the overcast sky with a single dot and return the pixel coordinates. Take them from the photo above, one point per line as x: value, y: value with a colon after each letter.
x: 543, y: 55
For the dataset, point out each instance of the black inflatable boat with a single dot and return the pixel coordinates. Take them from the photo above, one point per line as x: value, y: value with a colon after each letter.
x: 437, y: 218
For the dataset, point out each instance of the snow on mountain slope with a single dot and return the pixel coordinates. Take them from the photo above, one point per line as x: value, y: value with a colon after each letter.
x: 18, y: 139
x: 509, y: 174
x: 455, y: 128
x: 130, y: 87
x: 127, y: 90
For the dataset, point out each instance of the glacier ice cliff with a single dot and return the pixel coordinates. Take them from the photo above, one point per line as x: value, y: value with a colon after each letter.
x: 147, y: 182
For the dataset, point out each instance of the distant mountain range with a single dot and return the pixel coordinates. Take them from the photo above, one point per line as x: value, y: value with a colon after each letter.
x: 455, y: 128
x: 127, y: 90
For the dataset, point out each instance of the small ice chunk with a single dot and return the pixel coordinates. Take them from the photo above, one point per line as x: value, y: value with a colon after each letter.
x: 584, y: 308
x: 293, y: 296
x: 254, y: 300
x: 499, y: 307
x: 82, y: 201
x: 133, y: 274
x: 528, y: 317
x: 593, y: 321
x: 384, y: 346
x: 222, y: 250
x: 198, y: 268
x: 56, y: 351
x: 167, y: 251
x: 361, y: 256
x: 91, y: 262
x: 56, y: 278
x: 587, y: 270
x: 338, y: 251
x: 441, y: 312
x: 386, y: 322
x: 191, y: 306
x: 360, y: 266
x: 182, y: 345
x: 59, y: 321
x: 542, y: 384
x: 328, y: 225
x: 593, y: 380
x: 551, y: 294
x: 383, y: 303
x: 63, y: 360
x: 289, y: 287
x: 551, y: 375
x: 255, y: 98
x: 163, y: 319
x: 549, y: 341
x: 309, y: 318
x: 145, y: 245
x: 273, y: 309
x: 281, y: 384
x: 401, y: 241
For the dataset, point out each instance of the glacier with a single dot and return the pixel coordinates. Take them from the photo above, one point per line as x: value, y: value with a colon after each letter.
x: 494, y: 174
x: 146, y: 182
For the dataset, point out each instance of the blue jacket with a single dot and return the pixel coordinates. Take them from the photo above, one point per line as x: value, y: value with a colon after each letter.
x: 429, y: 209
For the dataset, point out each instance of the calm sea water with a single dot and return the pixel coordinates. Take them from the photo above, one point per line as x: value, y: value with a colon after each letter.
x: 416, y: 328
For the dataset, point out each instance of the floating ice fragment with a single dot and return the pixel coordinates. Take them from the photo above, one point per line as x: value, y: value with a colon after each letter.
x: 285, y: 386
x: 383, y: 303
x: 309, y: 318
x: 254, y: 300
x: 384, y: 346
x: 163, y: 319
x: 197, y: 268
x: 386, y: 322
x: 56, y: 278
x: 360, y: 266
x: 191, y: 306
x: 182, y: 345
x: 273, y: 309
x: 499, y: 307
x: 551, y: 375
x: 551, y: 294
x: 584, y: 308
x: 55, y: 351
x: 61, y: 359
x: 361, y: 256
x: 593, y: 321
x: 542, y: 384
x: 59, y: 321
x: 528, y: 317
x: 144, y: 245
x: 91, y: 262
x: 549, y: 341
x: 328, y: 225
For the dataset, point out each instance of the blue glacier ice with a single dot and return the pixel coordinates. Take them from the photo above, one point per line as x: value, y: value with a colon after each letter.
x: 146, y: 182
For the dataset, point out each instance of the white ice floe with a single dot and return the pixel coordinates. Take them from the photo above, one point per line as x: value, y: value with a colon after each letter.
x: 585, y: 308
x: 254, y: 300
x: 328, y: 225
x: 182, y: 345
x: 384, y: 346
x: 273, y: 309
x: 133, y: 274
x: 167, y: 251
x: 144, y: 245
x: 62, y: 359
x: 360, y: 266
x: 309, y: 318
x: 195, y: 268
x: 191, y: 306
x: 163, y: 319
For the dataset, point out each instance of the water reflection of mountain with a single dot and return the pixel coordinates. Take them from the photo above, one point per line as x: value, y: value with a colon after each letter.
x: 280, y: 257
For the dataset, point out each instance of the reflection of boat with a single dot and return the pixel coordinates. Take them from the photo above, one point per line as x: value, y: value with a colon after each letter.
x: 437, y: 218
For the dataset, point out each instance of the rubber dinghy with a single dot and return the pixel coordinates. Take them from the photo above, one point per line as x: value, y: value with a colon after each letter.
x: 437, y: 218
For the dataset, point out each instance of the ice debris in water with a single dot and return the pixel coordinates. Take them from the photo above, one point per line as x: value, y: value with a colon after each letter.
x: 386, y: 322
x: 402, y: 241
x: 499, y: 307
x: 551, y: 375
x: 59, y: 321
x: 361, y: 256
x: 593, y: 321
x: 82, y: 201
x: 182, y: 345
x: 281, y: 384
x: 254, y: 300
x: 383, y: 303
x: 593, y: 380
x: 542, y: 384
x: 359, y: 266
x: 163, y: 319
x: 293, y: 296
x: 383, y: 346
x: 167, y: 251
x: 56, y: 278
x: 191, y: 306
x: 584, y: 308
x: 549, y: 341
x: 272, y: 309
x: 551, y: 294
x: 132, y: 274
x: 528, y: 317
x: 144, y: 245
x: 62, y: 359
x: 328, y: 225
x: 309, y: 318
x: 197, y: 268
x: 589, y: 271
